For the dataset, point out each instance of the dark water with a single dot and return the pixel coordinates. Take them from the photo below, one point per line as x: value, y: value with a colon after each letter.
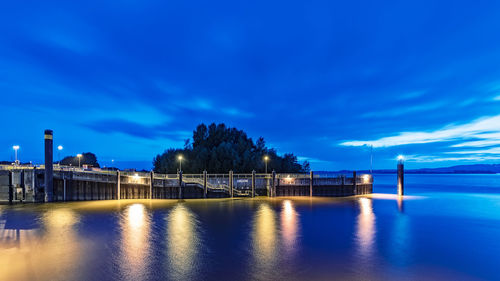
x: 448, y: 227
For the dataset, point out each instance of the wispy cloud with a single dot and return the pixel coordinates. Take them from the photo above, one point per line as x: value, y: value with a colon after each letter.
x: 480, y: 128
x: 432, y: 158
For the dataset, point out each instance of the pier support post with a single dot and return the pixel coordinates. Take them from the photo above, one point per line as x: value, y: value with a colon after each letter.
x: 49, y: 173
x: 401, y: 172
x: 273, y: 184
x: 180, y: 184
x: 11, y: 187
x: 64, y: 185
x: 205, y: 187
x: 23, y: 186
x: 311, y: 183
x: 231, y: 186
x: 354, y: 182
x: 118, y: 185
x: 253, y: 183
x: 151, y: 184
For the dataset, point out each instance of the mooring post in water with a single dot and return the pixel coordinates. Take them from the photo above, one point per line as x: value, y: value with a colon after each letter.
x: 118, y: 185
x: 180, y: 184
x: 231, y: 184
x: 401, y: 174
x: 311, y: 179
x: 49, y: 173
x: 354, y: 182
x: 205, y: 187
x: 253, y: 183
x: 151, y: 184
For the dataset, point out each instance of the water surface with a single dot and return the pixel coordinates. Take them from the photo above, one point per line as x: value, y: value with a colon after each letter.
x: 447, y: 227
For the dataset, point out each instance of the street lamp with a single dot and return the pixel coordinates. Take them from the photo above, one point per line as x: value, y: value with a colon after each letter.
x: 79, y: 158
x: 266, y: 158
x: 59, y: 148
x: 180, y: 162
x: 16, y: 148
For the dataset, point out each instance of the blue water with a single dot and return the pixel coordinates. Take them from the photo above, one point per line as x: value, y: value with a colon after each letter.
x: 447, y: 227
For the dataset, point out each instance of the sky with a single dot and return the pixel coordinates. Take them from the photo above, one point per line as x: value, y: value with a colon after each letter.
x: 325, y: 80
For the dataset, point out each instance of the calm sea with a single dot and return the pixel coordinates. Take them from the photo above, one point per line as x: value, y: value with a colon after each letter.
x: 447, y: 227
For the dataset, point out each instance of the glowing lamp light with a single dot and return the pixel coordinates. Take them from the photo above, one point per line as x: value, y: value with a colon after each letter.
x: 60, y: 147
x: 179, y: 157
x: 15, y: 147
x: 79, y: 155
x: 366, y: 178
x: 401, y: 158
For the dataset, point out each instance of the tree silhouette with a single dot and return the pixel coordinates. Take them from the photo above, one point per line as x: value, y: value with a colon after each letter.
x: 218, y: 149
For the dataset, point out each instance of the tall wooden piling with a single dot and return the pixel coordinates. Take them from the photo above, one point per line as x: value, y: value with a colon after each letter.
x: 49, y: 172
x: 205, y: 187
x: 401, y: 172
x: 118, y: 185
x: 253, y: 183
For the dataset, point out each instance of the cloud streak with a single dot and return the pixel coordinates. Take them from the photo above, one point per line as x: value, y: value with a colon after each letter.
x: 485, y: 128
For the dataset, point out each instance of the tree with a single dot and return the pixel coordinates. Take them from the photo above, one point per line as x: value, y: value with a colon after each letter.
x: 218, y: 149
x: 88, y: 158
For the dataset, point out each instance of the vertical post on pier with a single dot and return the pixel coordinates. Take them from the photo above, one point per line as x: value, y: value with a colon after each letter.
x: 118, y: 185
x: 354, y: 182
x: 273, y: 184
x: 205, y: 187
x: 151, y: 184
x: 311, y: 183
x: 49, y: 173
x: 11, y: 188
x: 23, y: 185
x: 180, y: 184
x: 64, y: 185
x: 401, y: 172
x: 253, y: 183
x: 231, y: 184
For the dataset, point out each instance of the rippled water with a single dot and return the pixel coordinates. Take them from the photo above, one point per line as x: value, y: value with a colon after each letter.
x: 448, y: 227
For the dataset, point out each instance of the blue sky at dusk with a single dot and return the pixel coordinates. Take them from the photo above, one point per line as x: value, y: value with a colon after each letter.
x: 322, y: 79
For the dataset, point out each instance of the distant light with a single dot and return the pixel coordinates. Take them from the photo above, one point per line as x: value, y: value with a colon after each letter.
x: 401, y: 157
x: 15, y: 147
x: 266, y: 158
x: 136, y: 176
x: 179, y: 157
x: 60, y: 147
x: 366, y: 178
x: 79, y: 155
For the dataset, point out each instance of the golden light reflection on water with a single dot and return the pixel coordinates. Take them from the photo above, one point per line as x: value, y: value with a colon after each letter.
x: 365, y: 231
x: 183, y: 243
x: 135, y: 246
x: 264, y: 248
x: 289, y: 226
x: 37, y: 253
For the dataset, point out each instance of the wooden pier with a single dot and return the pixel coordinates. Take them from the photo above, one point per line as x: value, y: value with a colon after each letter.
x: 27, y: 184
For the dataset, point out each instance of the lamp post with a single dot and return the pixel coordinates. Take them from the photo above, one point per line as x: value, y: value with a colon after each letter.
x: 266, y: 158
x: 16, y: 148
x: 59, y: 148
x: 79, y: 158
x: 180, y: 162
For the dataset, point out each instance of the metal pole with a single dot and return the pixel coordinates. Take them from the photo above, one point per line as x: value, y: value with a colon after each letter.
x: 151, y: 184
x: 49, y: 175
x: 118, y: 185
